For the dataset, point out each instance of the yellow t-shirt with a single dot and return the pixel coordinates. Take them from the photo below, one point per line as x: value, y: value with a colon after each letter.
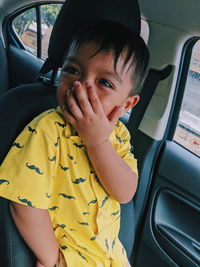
x: 48, y: 168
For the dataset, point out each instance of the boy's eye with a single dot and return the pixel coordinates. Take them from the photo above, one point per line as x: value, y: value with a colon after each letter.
x: 71, y: 70
x: 105, y: 83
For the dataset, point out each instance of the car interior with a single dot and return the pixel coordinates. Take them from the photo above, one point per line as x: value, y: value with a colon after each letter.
x: 160, y: 226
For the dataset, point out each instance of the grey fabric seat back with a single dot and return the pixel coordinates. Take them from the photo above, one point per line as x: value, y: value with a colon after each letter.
x: 4, y: 77
x: 18, y: 107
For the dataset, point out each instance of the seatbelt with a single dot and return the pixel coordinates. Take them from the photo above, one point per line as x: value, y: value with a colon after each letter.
x: 148, y: 89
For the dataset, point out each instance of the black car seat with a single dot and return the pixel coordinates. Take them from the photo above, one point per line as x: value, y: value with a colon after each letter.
x: 3, y: 69
x: 20, y: 105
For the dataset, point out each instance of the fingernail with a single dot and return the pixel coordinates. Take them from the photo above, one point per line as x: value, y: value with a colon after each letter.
x: 88, y: 85
x: 121, y: 109
x: 76, y: 83
x: 68, y: 92
x: 63, y: 107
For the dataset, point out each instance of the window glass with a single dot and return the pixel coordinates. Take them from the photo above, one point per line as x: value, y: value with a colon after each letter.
x: 26, y: 24
x: 188, y: 128
x: 26, y: 29
x: 49, y: 14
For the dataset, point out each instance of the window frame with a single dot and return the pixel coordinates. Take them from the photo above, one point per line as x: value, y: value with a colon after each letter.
x: 180, y: 90
x: 10, y: 33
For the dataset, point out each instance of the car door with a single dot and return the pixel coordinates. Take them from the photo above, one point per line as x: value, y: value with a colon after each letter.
x: 168, y: 230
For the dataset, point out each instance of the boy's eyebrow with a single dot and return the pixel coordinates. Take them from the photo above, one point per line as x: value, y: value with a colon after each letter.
x: 72, y: 59
x: 110, y: 73
x: 114, y: 75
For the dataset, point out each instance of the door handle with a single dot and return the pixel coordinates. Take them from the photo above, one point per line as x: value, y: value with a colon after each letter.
x: 196, y: 246
x: 181, y: 240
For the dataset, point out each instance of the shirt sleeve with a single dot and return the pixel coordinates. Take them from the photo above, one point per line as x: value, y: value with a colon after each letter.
x: 124, y: 147
x: 27, y: 171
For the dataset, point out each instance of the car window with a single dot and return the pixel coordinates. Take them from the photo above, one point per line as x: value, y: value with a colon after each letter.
x: 33, y: 27
x: 187, y: 131
x: 49, y: 14
x: 26, y: 29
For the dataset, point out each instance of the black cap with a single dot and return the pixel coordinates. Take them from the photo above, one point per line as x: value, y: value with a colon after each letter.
x: 75, y: 12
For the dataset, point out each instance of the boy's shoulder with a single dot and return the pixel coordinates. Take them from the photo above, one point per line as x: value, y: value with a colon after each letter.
x: 48, y: 120
x: 121, y: 128
x: 120, y: 133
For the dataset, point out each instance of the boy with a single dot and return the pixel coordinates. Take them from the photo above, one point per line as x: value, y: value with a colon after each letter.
x: 72, y: 166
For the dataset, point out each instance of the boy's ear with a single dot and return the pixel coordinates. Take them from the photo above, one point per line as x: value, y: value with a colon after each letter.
x: 131, y: 101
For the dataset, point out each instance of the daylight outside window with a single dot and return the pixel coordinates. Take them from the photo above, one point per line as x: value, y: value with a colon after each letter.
x: 26, y: 26
x: 187, y: 132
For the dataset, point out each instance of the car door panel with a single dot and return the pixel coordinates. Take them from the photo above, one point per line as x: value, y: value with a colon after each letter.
x: 171, y: 235
x: 181, y: 167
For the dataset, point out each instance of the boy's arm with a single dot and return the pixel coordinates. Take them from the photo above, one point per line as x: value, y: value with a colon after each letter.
x: 86, y: 114
x: 36, y: 229
x: 116, y: 176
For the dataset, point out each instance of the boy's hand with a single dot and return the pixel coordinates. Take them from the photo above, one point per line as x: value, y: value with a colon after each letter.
x: 85, y: 112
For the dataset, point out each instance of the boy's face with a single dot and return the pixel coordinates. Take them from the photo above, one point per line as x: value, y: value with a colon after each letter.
x: 112, y: 86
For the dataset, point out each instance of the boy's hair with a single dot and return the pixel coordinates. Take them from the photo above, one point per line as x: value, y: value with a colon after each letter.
x: 116, y: 37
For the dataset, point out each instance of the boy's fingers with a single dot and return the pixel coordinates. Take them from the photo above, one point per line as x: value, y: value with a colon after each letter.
x: 69, y: 117
x: 82, y: 99
x: 73, y: 107
x: 94, y: 99
x: 116, y: 114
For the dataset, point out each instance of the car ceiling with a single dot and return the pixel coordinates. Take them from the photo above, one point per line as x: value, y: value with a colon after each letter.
x: 180, y: 14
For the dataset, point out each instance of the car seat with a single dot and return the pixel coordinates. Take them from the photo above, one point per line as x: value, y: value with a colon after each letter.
x: 20, y: 105
x: 4, y: 69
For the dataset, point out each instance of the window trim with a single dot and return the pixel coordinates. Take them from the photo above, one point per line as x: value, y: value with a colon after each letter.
x: 39, y: 31
x: 180, y: 88
x: 180, y: 91
x: 9, y: 32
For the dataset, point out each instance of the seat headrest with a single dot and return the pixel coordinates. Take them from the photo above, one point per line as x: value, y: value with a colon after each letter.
x: 75, y: 12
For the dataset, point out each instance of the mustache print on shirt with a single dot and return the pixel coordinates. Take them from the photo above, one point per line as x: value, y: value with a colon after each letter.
x: 106, y: 242
x: 60, y: 124
x: 4, y: 181
x: 54, y: 208
x: 63, y: 168
x: 33, y: 167
x: 26, y: 201
x: 48, y: 195
x: 64, y: 247
x: 72, y: 158
x: 79, y: 180
x: 66, y: 196
x: 32, y: 130
x: 83, y: 223
x: 17, y: 145
x: 52, y: 159
x: 115, y: 213
x: 79, y: 253
x: 56, y: 144
x: 78, y: 145
x: 104, y: 201
x: 92, y: 202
